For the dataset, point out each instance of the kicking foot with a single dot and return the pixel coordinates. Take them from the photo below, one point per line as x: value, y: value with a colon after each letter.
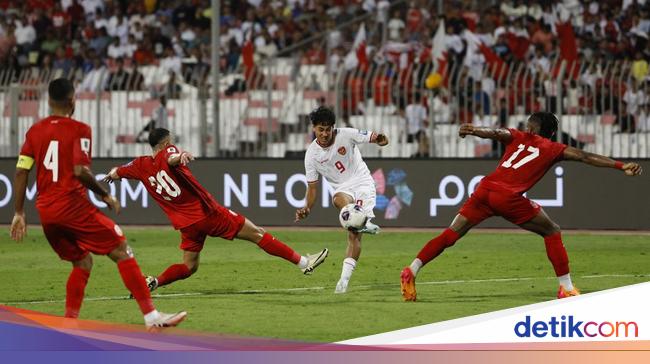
x: 341, y: 286
x: 407, y: 283
x: 314, y: 260
x: 563, y: 293
x: 165, y: 320
x: 370, y: 228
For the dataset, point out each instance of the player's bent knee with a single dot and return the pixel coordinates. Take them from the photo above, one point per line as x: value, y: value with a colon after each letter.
x: 85, y: 263
x: 260, y: 231
x: 122, y: 252
x: 555, y: 228
x: 193, y: 267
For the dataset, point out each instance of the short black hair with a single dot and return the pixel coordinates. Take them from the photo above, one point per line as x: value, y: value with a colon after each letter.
x: 60, y: 90
x: 322, y: 115
x: 157, y: 135
x: 547, y: 121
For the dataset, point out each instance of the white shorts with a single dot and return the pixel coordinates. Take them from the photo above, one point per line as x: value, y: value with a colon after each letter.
x: 363, y: 192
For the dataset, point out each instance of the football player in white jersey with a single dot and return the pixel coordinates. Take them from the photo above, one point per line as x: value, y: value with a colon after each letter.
x: 334, y: 155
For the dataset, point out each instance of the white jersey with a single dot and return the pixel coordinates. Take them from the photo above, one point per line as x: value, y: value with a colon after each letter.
x: 341, y: 162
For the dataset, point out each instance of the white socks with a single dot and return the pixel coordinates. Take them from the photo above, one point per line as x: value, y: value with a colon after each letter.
x: 302, y: 264
x: 565, y: 281
x: 348, y: 267
x: 415, y: 266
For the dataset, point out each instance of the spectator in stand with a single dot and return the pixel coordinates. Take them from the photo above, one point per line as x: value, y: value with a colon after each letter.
x: 7, y: 43
x: 114, y: 49
x: 95, y: 79
x: 171, y: 62
x: 171, y: 89
x: 144, y: 54
x: 159, y: 119
x: 118, y: 79
x: 396, y: 26
x: 62, y: 63
x: 639, y: 67
x: 643, y: 121
x: 417, y: 123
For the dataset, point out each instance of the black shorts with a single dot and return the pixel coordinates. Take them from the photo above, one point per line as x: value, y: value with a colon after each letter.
x: 412, y: 138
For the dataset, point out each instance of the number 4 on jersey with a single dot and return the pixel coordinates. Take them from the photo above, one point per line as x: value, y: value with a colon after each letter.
x: 534, y: 153
x: 51, y: 160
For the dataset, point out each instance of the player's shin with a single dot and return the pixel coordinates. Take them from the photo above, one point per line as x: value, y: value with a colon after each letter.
x: 556, y: 253
x: 436, y: 245
x: 135, y: 283
x: 75, y: 288
x: 275, y: 247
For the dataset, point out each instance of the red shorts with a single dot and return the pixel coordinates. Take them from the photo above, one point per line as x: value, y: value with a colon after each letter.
x: 93, y: 233
x: 222, y: 222
x: 484, y: 203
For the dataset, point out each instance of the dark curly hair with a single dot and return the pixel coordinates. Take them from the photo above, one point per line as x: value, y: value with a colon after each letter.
x: 547, y: 122
x: 322, y: 115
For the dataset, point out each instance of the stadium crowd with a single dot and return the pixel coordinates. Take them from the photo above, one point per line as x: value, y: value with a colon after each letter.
x: 92, y: 36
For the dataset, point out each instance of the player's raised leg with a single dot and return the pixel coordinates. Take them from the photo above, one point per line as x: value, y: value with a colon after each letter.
x: 271, y: 245
x: 135, y: 283
x: 458, y: 228
x: 555, y: 251
x: 76, y: 285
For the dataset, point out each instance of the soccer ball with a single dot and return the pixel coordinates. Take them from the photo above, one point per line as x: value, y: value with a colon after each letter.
x: 352, y: 217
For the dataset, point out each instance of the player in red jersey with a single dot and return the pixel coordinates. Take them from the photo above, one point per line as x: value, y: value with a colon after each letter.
x: 60, y: 149
x: 527, y: 157
x: 192, y: 210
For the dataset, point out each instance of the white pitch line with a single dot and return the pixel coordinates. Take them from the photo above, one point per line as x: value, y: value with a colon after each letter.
x: 320, y: 288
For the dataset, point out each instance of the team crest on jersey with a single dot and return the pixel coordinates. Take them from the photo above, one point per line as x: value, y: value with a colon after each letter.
x: 342, y: 151
x: 363, y: 132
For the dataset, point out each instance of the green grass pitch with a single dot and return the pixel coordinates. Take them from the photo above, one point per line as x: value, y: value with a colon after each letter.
x: 240, y: 290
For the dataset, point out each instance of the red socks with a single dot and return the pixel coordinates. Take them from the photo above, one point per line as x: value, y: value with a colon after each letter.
x: 173, y: 273
x: 134, y: 282
x: 74, y: 291
x: 436, y: 245
x: 556, y: 253
x: 277, y: 248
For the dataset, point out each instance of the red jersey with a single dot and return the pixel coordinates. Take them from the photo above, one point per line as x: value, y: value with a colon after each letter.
x: 56, y: 144
x: 525, y: 161
x: 174, y: 188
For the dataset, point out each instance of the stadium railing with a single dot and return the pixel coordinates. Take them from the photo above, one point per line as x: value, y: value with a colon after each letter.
x: 265, y: 115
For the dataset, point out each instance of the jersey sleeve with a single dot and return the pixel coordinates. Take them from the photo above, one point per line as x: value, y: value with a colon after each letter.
x: 81, y: 148
x: 356, y: 136
x: 310, y: 168
x: 129, y: 170
x: 26, y: 157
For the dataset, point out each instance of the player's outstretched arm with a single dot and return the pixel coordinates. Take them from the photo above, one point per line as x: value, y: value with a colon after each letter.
x: 500, y: 134
x: 312, y: 192
x: 597, y: 160
x: 87, y: 178
x: 182, y: 158
x: 18, y: 226
x: 380, y: 139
